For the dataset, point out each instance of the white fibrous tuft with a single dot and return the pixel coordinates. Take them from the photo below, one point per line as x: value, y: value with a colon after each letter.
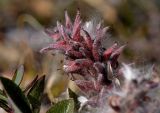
x: 129, y: 72
x: 90, y: 27
x: 82, y: 99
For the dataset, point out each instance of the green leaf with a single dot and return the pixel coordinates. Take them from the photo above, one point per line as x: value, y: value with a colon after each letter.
x: 35, y: 94
x: 16, y: 95
x: 3, y: 96
x: 4, y: 102
x: 5, y: 106
x: 18, y: 75
x: 65, y: 106
x: 75, y: 98
x: 30, y: 85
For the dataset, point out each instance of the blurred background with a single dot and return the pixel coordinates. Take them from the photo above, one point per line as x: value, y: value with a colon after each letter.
x: 22, y: 25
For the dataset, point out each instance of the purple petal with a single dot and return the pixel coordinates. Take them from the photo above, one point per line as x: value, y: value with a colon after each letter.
x: 107, y: 53
x: 68, y: 21
x: 87, y: 39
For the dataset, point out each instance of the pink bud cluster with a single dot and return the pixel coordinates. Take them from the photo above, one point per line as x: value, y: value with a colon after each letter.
x: 99, y: 70
x: 85, y: 54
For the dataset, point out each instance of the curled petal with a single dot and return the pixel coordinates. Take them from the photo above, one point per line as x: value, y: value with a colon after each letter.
x: 117, y: 52
x: 73, y: 53
x: 98, y: 27
x: 114, y: 64
x: 93, y: 103
x: 69, y: 62
x: 84, y: 85
x: 68, y: 21
x: 107, y: 53
x: 72, y: 68
x: 77, y: 27
x: 76, y: 32
x: 60, y: 45
x: 114, y: 57
x: 87, y: 39
x: 50, y: 47
x: 77, y: 19
x: 75, y: 45
x: 59, y: 26
x: 63, y: 47
x: 84, y: 62
x: 96, y: 48
x: 104, y: 30
x: 54, y: 34
x: 85, y: 52
x: 100, y: 32
x: 95, y: 51
x: 99, y: 67
x: 100, y: 78
x: 64, y: 34
x: 110, y: 71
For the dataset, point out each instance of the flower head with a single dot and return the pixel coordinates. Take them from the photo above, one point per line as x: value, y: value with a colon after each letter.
x: 98, y: 66
x: 85, y: 55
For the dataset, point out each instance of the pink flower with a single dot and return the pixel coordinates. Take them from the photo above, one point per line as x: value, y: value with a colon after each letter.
x: 85, y: 54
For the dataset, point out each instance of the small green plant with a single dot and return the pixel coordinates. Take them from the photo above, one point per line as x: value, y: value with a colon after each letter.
x: 26, y: 100
x: 14, y: 99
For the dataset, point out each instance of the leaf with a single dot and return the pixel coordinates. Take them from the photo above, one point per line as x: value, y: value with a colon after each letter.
x: 2, y: 96
x: 35, y: 94
x: 30, y: 85
x: 16, y: 95
x: 5, y: 106
x: 18, y: 75
x: 4, y: 102
x: 75, y: 98
x: 65, y: 106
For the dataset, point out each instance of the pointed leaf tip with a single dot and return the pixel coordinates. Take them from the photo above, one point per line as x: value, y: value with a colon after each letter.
x: 16, y: 95
x: 75, y: 98
x: 65, y: 106
x: 35, y: 94
x: 18, y: 75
